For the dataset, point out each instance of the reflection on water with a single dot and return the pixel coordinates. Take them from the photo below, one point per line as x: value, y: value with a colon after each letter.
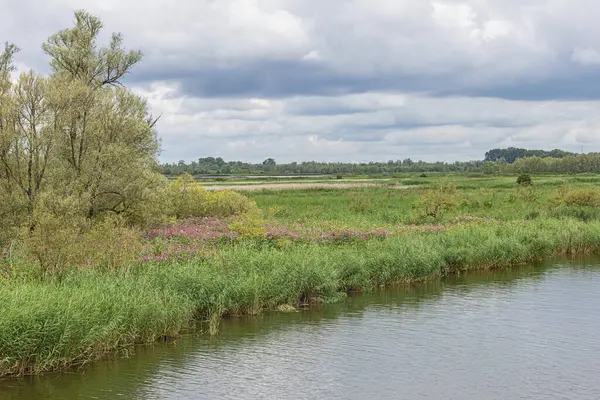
x: 527, y: 333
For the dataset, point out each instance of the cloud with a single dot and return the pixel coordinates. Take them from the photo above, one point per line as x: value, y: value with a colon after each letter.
x: 368, y: 126
x: 349, y: 80
x: 587, y: 56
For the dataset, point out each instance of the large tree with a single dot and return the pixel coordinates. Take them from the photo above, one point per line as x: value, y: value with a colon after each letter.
x: 78, y: 133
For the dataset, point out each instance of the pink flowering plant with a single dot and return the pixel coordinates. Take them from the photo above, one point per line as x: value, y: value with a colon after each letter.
x: 200, y: 237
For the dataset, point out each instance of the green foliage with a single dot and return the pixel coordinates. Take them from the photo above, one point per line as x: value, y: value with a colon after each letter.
x: 527, y: 193
x: 225, y: 203
x: 249, y: 227
x: 524, y: 180
x: 61, y: 242
x: 216, y: 166
x: 577, y: 197
x: 110, y: 244
x: 78, y: 133
x: 49, y: 325
x: 433, y: 203
x: 46, y: 325
x: 496, y: 162
x: 189, y: 199
x: 359, y: 203
x: 511, y: 154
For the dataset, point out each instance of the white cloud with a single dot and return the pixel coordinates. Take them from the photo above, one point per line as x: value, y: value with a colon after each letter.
x: 379, y: 61
x: 586, y: 56
x: 369, y: 126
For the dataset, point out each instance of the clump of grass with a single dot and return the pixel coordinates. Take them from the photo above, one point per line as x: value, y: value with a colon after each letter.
x: 49, y: 325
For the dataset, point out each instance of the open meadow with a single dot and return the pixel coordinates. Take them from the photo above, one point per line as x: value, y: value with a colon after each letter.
x: 223, y: 253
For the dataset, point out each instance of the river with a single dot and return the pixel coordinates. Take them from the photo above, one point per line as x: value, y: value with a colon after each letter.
x: 531, y: 332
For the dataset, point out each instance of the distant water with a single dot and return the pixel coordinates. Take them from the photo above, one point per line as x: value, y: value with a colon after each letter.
x: 527, y: 333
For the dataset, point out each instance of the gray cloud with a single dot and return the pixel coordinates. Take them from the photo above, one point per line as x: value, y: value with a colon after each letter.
x: 349, y: 80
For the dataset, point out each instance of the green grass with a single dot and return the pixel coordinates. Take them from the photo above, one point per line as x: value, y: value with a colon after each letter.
x: 487, y: 197
x: 49, y: 325
x: 52, y: 324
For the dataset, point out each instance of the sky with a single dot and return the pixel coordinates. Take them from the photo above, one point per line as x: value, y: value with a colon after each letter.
x: 348, y: 80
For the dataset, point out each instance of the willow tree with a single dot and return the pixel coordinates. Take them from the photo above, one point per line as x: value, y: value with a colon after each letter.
x: 10, y: 193
x: 28, y: 138
x: 78, y: 134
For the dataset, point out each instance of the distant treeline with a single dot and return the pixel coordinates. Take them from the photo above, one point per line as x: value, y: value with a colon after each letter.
x: 497, y: 161
x: 571, y: 164
x: 218, y: 166
x: 511, y: 154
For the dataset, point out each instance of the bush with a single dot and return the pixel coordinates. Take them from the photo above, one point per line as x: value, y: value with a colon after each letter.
x: 186, y: 197
x: 226, y: 203
x: 524, y: 180
x: 58, y: 245
x: 580, y: 197
x: 433, y: 203
x: 189, y: 199
x: 251, y: 227
x: 110, y: 244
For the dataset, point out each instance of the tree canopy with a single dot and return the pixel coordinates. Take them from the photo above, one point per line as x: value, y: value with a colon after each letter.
x: 511, y: 154
x: 78, y: 136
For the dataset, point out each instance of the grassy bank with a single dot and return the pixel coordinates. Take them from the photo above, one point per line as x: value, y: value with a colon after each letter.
x: 52, y: 324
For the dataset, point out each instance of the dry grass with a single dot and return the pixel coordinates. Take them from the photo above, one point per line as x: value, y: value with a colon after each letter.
x: 298, y: 186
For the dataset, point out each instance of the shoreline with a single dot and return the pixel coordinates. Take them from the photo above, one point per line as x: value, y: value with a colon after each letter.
x: 89, y: 315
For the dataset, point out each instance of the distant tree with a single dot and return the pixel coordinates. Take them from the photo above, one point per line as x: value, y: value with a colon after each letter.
x: 269, y: 161
x: 511, y: 154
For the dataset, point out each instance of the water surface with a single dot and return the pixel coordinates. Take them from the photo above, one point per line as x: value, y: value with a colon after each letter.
x: 526, y: 333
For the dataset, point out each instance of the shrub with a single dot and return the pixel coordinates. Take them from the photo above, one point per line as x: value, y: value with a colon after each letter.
x: 57, y: 245
x: 190, y: 199
x: 252, y: 226
x: 580, y: 197
x: 186, y: 196
x: 433, y: 203
x: 225, y: 203
x: 524, y: 180
x: 110, y: 244
x: 152, y: 208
